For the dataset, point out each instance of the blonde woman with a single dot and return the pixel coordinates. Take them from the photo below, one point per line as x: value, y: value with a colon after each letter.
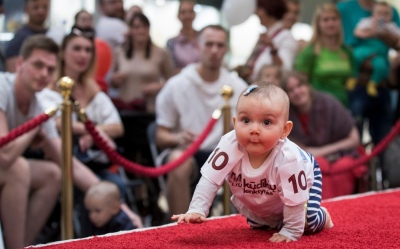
x: 326, y: 60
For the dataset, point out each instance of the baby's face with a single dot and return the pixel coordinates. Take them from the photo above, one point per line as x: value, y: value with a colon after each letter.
x: 270, y: 74
x: 259, y: 124
x: 100, y: 211
x: 381, y: 12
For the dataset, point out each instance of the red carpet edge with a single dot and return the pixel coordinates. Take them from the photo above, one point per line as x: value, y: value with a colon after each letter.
x: 368, y: 220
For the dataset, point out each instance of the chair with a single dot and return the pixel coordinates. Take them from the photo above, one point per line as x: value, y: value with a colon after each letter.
x: 158, y: 158
x: 156, y: 154
x: 1, y: 239
x: 130, y: 186
x: 136, y: 148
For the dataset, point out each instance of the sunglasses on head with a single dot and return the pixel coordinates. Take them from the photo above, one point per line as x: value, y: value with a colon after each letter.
x: 85, y: 33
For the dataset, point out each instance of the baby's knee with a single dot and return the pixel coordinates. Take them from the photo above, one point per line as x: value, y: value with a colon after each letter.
x: 328, y: 221
x: 318, y: 220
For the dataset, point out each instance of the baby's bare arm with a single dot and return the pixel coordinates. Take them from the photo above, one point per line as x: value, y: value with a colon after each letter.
x: 200, y: 204
x: 189, y: 218
x: 276, y: 237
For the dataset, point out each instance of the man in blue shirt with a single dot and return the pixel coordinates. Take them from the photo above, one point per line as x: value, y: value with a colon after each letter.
x: 37, y: 12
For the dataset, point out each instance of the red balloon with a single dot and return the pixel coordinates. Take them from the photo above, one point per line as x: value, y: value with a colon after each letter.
x: 104, y: 58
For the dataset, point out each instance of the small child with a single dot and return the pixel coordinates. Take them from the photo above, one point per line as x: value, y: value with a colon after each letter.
x: 274, y: 183
x: 271, y: 74
x: 381, y: 19
x: 370, y: 30
x: 103, y: 202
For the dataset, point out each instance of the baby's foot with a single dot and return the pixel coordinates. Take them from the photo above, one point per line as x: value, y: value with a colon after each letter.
x: 328, y: 222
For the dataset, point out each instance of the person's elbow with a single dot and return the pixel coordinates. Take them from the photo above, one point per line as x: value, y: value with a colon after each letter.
x: 354, y: 137
x: 121, y: 131
x: 161, y: 137
x: 160, y: 142
x: 5, y: 160
x: 118, y: 131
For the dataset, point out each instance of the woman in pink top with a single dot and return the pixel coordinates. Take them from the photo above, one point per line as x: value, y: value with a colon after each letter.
x: 141, y: 68
x: 184, y: 48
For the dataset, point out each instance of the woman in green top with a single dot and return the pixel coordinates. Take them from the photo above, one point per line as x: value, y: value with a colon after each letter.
x: 326, y: 60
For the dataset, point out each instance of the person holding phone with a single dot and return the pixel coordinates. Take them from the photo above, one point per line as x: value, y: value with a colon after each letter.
x: 369, y: 30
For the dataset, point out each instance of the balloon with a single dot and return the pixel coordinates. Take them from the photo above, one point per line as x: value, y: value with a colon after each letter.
x: 104, y: 58
x: 237, y: 11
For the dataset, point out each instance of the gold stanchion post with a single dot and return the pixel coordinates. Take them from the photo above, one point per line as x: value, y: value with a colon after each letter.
x: 65, y: 85
x: 227, y: 92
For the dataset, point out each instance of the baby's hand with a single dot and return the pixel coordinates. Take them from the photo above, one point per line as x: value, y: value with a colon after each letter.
x: 276, y: 237
x: 189, y: 218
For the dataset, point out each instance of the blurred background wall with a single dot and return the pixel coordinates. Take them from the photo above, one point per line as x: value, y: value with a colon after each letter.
x: 164, y: 22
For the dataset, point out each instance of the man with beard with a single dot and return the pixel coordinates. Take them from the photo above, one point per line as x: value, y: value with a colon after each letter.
x: 112, y: 29
x: 183, y: 108
x: 110, y: 26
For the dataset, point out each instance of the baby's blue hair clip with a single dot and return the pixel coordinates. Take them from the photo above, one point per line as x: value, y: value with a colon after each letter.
x: 250, y: 89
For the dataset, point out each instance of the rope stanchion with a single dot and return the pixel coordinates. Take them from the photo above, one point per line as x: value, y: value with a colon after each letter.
x: 24, y: 128
x: 227, y: 92
x: 143, y: 170
x: 66, y: 85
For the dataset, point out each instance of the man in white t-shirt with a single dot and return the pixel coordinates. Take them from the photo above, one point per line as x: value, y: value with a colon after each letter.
x: 110, y: 26
x: 21, y: 177
x: 185, y: 105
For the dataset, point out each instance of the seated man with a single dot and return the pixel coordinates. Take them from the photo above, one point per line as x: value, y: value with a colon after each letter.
x: 18, y: 103
x: 183, y: 108
x: 23, y: 218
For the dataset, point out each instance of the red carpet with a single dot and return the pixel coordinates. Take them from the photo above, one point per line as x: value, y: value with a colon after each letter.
x: 368, y: 221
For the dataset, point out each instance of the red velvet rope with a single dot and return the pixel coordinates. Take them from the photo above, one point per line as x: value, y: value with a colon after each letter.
x: 144, y: 170
x: 353, y: 163
x: 154, y: 172
x: 24, y: 128
x: 381, y: 145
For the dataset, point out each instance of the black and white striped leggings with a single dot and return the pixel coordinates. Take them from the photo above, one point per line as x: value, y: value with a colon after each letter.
x: 316, y: 216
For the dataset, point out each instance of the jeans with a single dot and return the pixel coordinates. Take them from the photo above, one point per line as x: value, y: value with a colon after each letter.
x: 377, y: 110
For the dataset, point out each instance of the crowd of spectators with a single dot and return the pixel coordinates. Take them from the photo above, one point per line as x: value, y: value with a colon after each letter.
x: 337, y: 82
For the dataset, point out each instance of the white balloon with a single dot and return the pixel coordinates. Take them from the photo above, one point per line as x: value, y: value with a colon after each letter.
x: 237, y: 11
